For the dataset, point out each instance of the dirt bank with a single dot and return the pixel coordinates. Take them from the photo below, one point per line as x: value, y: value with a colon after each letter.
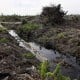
x: 63, y: 39
x: 15, y: 64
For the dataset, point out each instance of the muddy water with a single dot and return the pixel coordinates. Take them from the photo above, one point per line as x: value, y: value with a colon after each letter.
x: 70, y: 67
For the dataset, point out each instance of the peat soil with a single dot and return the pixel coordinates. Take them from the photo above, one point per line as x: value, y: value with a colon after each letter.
x: 14, y: 66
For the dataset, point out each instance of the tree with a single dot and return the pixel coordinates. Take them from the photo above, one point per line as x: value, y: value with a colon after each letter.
x: 52, y: 15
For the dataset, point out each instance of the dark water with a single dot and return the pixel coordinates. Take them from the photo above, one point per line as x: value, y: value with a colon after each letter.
x: 69, y: 68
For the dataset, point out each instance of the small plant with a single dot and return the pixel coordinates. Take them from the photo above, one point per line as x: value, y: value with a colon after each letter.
x: 3, y: 40
x: 44, y: 69
x: 30, y: 26
x: 28, y: 55
x: 60, y: 36
x: 55, y: 75
x: 26, y: 30
x: 2, y: 29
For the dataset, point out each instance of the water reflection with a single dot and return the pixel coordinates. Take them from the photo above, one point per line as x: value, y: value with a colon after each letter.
x: 72, y: 69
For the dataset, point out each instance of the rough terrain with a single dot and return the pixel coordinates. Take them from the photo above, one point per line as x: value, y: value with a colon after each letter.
x: 14, y: 65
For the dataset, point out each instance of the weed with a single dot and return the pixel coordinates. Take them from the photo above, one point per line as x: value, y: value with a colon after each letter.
x: 3, y: 40
x: 56, y: 74
x: 60, y: 36
x: 30, y: 26
x: 43, y: 69
x: 2, y: 29
x: 28, y: 55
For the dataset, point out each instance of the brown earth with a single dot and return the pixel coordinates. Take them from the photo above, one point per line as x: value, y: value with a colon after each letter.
x: 63, y: 39
x: 13, y: 66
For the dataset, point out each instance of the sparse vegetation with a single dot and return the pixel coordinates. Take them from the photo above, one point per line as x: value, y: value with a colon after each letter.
x: 43, y: 69
x: 10, y: 18
x: 28, y: 55
x: 3, y: 40
x: 26, y: 30
x: 60, y: 35
x: 3, y: 29
x: 30, y: 26
x: 56, y: 74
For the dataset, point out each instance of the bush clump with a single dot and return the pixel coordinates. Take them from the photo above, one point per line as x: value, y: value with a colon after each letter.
x: 26, y: 30
x: 30, y: 26
x: 52, y: 15
x: 28, y: 55
x: 60, y: 35
x: 3, y: 29
x: 3, y: 40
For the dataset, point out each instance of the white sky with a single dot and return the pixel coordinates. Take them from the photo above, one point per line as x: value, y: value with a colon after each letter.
x: 33, y: 7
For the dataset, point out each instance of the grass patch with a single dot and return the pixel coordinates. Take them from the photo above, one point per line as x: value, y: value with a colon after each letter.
x: 28, y: 55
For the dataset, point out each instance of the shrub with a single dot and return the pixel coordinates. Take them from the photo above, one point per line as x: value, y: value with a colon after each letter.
x: 56, y: 74
x: 24, y: 21
x: 30, y: 26
x: 60, y: 36
x: 28, y: 55
x: 26, y: 30
x: 3, y: 40
x: 2, y: 29
x: 52, y: 15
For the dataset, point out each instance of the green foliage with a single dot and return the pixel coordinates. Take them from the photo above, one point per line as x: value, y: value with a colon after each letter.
x: 3, y: 40
x: 26, y: 30
x: 30, y: 26
x: 44, y: 69
x: 57, y: 70
x: 28, y: 55
x: 3, y: 29
x: 60, y: 36
x: 56, y: 74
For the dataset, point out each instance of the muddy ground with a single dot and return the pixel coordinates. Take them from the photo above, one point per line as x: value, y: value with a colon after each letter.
x: 13, y: 65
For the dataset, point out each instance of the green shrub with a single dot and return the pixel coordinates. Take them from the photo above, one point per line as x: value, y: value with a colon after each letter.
x: 44, y: 69
x: 3, y: 29
x: 60, y: 36
x: 56, y: 74
x: 30, y: 26
x: 28, y: 55
x: 3, y: 40
x: 26, y: 30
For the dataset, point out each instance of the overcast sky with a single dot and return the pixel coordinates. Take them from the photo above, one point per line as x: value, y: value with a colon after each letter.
x: 33, y: 7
